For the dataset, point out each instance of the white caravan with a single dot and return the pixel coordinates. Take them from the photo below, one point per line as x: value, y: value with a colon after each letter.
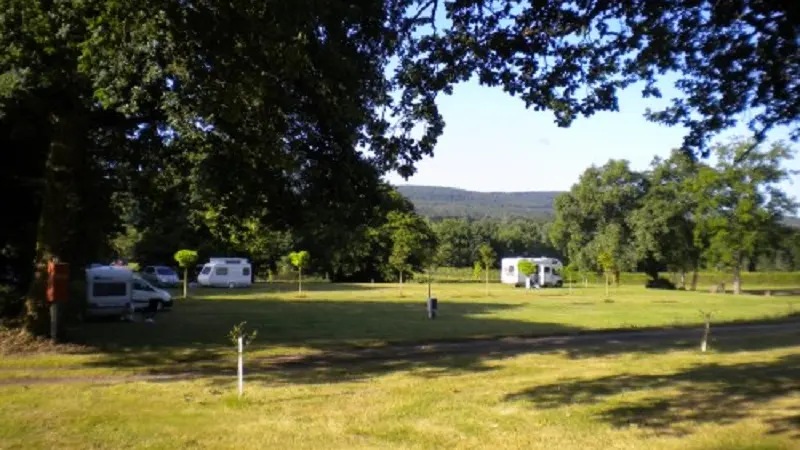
x: 226, y: 272
x: 549, y: 272
x: 110, y: 291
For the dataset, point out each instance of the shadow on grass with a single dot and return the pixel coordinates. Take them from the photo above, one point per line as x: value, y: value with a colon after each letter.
x: 712, y: 393
x: 276, y: 287
x: 765, y: 334
x: 352, y: 335
x: 194, y: 336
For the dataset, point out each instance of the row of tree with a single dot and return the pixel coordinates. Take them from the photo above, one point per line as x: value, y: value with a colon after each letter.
x: 681, y: 215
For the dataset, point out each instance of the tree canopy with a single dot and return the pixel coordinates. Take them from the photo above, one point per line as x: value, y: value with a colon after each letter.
x: 731, y: 58
x: 677, y: 215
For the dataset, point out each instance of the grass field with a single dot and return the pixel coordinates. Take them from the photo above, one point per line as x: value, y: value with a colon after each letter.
x: 744, y: 393
x: 756, y: 280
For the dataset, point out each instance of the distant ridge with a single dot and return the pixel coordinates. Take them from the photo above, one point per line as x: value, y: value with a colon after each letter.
x: 439, y: 202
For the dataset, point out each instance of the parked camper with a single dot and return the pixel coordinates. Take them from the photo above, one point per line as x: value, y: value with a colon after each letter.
x: 548, y: 272
x: 161, y: 276
x: 111, y: 290
x: 226, y: 272
x: 144, y: 291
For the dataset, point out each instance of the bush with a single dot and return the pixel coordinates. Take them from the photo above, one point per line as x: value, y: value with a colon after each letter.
x: 660, y: 283
x: 11, y: 301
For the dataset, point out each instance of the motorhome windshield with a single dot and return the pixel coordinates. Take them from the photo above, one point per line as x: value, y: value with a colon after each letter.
x: 165, y: 271
x: 206, y: 270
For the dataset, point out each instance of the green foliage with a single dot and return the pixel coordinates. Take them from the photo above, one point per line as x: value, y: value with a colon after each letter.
x: 174, y: 105
x: 662, y: 226
x: 614, y: 219
x: 477, y: 270
x: 239, y: 330
x: 186, y: 258
x: 739, y: 202
x: 487, y: 256
x: 592, y: 218
x: 300, y: 259
x: 526, y: 268
x: 571, y: 272
x: 413, y: 243
x: 728, y: 58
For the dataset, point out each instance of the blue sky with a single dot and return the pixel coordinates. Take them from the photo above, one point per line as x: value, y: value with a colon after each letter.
x: 492, y: 143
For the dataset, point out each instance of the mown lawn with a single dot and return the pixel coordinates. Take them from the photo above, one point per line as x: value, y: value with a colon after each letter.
x: 327, y: 316
x: 744, y: 394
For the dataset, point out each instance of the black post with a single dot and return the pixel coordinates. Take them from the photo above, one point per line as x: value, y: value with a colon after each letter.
x: 433, y: 306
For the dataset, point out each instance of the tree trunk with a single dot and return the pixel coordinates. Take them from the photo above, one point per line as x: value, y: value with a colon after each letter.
x: 300, y: 280
x: 401, y: 282
x: 706, y: 332
x: 737, y: 279
x: 607, y: 283
x: 616, y: 278
x: 185, y: 282
x: 683, y: 279
x: 487, y: 280
x: 57, y: 219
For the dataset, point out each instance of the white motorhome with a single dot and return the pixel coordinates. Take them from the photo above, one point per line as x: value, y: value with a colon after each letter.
x: 548, y: 274
x: 226, y: 272
x: 111, y: 290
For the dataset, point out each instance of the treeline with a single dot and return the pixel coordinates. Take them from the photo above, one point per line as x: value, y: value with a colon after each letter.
x: 442, y: 202
x: 682, y: 216
x: 678, y: 216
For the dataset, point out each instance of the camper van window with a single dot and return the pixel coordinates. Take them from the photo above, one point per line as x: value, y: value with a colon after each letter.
x: 510, y: 270
x: 139, y: 286
x: 221, y: 271
x: 165, y: 271
x: 206, y: 270
x: 109, y: 289
x: 232, y: 261
x: 246, y: 271
x: 546, y: 270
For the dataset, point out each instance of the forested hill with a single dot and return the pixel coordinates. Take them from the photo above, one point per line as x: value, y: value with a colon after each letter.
x: 436, y: 202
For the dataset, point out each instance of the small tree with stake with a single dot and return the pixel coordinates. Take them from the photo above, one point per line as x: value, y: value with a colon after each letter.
x: 487, y: 258
x: 186, y: 259
x: 241, y: 338
x: 570, y: 272
x: 300, y: 260
x: 606, y: 261
x: 526, y: 268
x: 706, y: 330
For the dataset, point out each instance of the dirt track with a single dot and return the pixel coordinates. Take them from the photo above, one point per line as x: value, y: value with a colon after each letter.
x: 606, y: 341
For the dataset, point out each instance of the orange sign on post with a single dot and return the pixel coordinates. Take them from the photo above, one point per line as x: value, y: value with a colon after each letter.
x: 57, y: 282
